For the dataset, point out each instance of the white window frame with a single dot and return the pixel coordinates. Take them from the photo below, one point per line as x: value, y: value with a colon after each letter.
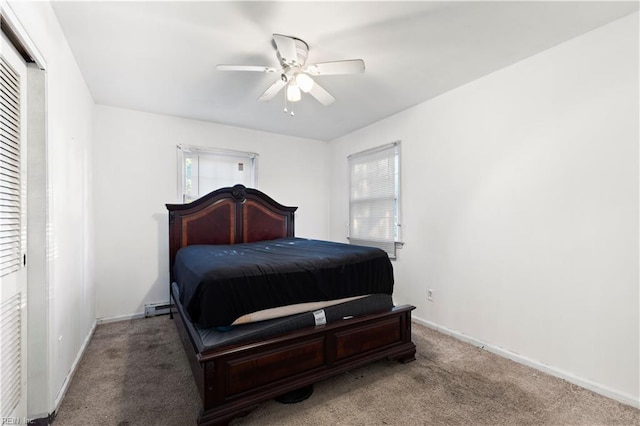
x: 251, y: 157
x: 391, y: 245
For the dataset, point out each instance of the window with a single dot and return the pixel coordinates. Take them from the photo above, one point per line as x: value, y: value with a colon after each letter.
x: 374, y: 177
x: 202, y: 170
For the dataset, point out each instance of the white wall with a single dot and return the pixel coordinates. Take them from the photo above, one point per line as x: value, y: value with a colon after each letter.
x: 520, y: 208
x: 69, y: 283
x: 135, y: 174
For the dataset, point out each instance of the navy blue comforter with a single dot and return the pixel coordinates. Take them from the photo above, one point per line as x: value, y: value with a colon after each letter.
x: 219, y: 283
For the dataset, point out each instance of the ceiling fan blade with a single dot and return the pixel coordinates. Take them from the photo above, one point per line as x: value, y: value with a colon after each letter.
x: 273, y: 90
x: 350, y: 66
x: 286, y: 48
x: 256, y: 68
x: 321, y: 95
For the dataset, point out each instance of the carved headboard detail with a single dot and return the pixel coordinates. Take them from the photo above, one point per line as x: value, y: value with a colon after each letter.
x: 228, y: 216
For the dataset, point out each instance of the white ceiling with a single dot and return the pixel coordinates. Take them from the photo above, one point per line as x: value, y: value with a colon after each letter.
x: 160, y: 56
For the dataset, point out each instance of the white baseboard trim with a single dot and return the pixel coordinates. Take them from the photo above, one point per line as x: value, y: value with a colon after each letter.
x: 557, y: 372
x: 74, y: 367
x: 106, y: 320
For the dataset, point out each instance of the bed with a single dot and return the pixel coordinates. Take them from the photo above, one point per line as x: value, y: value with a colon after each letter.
x: 236, y: 366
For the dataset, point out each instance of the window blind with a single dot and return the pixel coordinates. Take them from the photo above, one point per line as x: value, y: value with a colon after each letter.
x: 10, y: 218
x: 373, y: 201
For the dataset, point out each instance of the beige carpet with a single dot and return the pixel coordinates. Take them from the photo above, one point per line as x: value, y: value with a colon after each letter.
x: 135, y: 373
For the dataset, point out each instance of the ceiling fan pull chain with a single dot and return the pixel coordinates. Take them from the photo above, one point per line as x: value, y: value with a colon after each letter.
x: 285, y: 102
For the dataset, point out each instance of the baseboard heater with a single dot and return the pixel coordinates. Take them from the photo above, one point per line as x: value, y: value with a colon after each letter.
x: 156, y: 309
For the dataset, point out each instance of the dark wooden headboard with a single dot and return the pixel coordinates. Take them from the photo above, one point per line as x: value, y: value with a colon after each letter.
x: 228, y: 216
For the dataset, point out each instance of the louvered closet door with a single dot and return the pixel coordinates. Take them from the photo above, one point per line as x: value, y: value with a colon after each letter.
x: 13, y: 276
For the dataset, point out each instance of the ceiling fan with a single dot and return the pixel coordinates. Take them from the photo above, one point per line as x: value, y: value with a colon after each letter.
x: 295, y: 75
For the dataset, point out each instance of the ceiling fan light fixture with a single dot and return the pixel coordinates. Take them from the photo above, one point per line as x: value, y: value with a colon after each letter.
x: 295, y: 76
x: 305, y: 83
x: 293, y: 92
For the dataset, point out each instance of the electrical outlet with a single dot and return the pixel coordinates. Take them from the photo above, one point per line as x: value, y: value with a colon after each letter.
x: 430, y: 295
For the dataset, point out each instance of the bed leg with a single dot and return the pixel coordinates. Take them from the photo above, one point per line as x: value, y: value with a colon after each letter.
x: 295, y: 396
x: 406, y: 357
x: 406, y: 360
